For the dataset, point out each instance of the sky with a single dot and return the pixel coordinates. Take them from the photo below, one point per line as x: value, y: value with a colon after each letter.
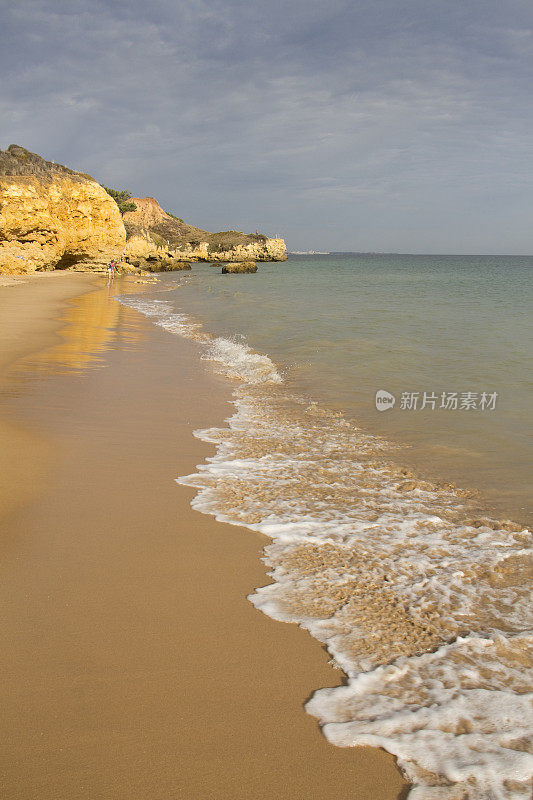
x: 370, y: 125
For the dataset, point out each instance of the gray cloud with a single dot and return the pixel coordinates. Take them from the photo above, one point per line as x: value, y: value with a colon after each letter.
x: 378, y: 125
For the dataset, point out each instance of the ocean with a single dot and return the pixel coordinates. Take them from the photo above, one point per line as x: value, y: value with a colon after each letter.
x: 380, y: 439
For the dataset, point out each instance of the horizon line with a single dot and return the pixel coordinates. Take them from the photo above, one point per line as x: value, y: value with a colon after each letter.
x: 399, y: 253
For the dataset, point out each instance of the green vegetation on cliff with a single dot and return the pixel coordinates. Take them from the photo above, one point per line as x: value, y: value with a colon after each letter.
x: 122, y: 199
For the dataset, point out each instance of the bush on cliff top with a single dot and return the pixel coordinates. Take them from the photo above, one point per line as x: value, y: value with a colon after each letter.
x: 122, y: 199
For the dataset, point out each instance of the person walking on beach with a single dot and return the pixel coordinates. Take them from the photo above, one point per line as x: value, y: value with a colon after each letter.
x: 111, y: 270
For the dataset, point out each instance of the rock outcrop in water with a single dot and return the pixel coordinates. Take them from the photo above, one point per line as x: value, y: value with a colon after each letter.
x: 239, y: 267
x: 54, y: 218
x: 154, y: 234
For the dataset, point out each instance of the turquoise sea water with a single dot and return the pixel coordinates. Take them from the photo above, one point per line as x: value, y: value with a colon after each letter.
x: 418, y: 586
x: 341, y: 327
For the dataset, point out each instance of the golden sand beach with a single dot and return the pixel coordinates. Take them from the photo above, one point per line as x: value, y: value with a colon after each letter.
x: 134, y: 666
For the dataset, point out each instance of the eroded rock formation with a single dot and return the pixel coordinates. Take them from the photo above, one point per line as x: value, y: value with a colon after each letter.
x: 54, y: 218
x: 239, y: 267
x: 156, y: 234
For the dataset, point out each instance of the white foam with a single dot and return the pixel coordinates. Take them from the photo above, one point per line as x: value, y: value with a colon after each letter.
x: 460, y: 734
x: 233, y: 358
x: 456, y: 708
x: 455, y: 719
x: 239, y: 361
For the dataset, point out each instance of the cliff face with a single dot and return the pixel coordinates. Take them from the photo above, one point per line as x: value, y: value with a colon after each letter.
x: 153, y: 233
x: 54, y: 218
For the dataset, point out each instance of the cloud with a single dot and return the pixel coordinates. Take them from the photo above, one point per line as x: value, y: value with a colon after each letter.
x: 249, y: 114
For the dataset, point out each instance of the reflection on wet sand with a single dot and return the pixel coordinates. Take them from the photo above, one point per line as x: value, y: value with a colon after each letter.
x: 91, y: 325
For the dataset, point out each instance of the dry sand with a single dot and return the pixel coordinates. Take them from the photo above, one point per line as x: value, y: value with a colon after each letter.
x: 134, y: 667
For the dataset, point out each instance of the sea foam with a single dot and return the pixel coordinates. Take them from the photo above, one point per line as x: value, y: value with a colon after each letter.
x: 419, y: 599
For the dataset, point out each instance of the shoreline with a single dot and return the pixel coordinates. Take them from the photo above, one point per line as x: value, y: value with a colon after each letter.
x: 129, y: 589
x: 442, y: 448
x: 350, y: 555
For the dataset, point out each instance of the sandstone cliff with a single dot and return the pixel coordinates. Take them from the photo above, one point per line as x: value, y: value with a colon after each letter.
x: 155, y: 234
x: 54, y: 218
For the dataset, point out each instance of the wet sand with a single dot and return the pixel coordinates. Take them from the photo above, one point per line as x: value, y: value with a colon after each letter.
x: 134, y: 667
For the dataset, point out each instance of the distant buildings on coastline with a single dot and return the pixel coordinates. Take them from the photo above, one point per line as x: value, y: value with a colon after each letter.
x: 309, y: 253
x: 341, y: 253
